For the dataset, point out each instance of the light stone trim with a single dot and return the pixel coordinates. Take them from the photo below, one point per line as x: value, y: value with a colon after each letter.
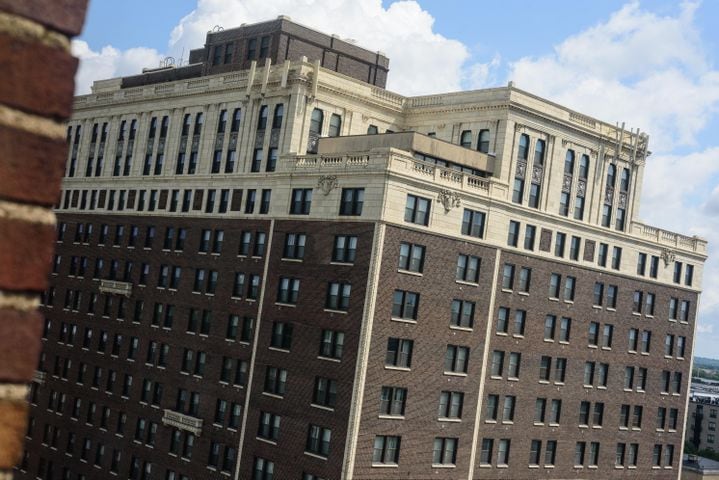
x: 19, y: 301
x: 26, y: 213
x: 363, y: 349
x: 485, y: 357
x: 13, y: 392
x: 30, y: 123
x: 253, y: 357
x: 29, y: 31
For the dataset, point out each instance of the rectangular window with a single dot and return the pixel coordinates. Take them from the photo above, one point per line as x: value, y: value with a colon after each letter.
x: 386, y: 450
x: 450, y: 404
x: 392, y: 401
x: 399, y: 352
x: 417, y: 210
x: 411, y: 257
x: 288, y: 290
x: 444, y: 451
x: 468, y: 268
x: 456, y: 359
x: 462, y: 314
x: 345, y: 249
x: 529, y: 234
x: 405, y: 305
x: 332, y: 344
x: 513, y: 233
x: 352, y: 201
x: 473, y: 223
x: 301, y: 201
x: 294, y: 247
x: 338, y: 296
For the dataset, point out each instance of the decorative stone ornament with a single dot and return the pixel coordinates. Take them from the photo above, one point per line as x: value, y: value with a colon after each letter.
x: 449, y: 200
x: 327, y: 183
x: 668, y: 256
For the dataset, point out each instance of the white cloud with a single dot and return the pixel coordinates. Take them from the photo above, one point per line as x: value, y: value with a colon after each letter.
x: 638, y: 67
x: 109, y: 62
x: 702, y: 328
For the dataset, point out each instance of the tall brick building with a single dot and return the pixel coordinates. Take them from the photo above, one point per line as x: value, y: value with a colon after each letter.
x: 278, y: 270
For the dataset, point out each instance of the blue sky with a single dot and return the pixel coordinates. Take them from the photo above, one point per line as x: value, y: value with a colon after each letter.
x: 653, y: 64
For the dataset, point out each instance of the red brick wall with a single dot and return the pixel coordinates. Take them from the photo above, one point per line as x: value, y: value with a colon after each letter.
x: 35, y: 97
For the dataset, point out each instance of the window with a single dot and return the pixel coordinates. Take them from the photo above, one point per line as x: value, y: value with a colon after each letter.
x: 450, y: 404
x: 555, y: 281
x: 281, y: 335
x: 386, y: 449
x: 468, y: 268
x: 529, y: 235
x: 465, y: 139
x: 352, y: 201
x: 444, y: 451
x: 405, y: 305
x: 473, y: 223
x: 318, y: 440
x: 345, y: 249
x: 616, y: 258
x: 569, y: 284
x: 607, y: 334
x: 325, y: 392
x: 508, y: 409
x: 411, y: 257
x: 269, y: 426
x: 574, y: 247
x: 603, y: 253
x: 508, y: 276
x: 275, y: 380
x: 288, y: 290
x: 483, y: 141
x: 559, y: 244
x: 294, y: 246
x: 263, y: 469
x: 456, y: 359
x: 513, y: 233
x: 335, y: 126
x: 392, y: 401
x: 611, y: 296
x: 332, y: 344
x: 338, y: 296
x: 525, y: 278
x: 417, y: 210
x: 462, y: 313
x: 399, y: 352
x: 301, y: 201
x: 497, y: 363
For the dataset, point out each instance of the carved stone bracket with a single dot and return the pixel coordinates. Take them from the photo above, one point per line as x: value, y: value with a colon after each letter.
x: 537, y: 175
x: 581, y: 188
x: 449, y: 200
x: 327, y: 183
x: 668, y: 256
x: 622, y: 200
x: 521, y: 169
x: 609, y: 196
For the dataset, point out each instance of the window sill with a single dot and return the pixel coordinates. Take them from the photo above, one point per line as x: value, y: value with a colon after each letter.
x: 463, y: 329
x: 403, y: 320
x: 447, y: 419
x: 611, y: 309
x: 553, y: 299
x: 331, y: 310
x: 455, y: 374
x: 524, y: 294
x: 507, y: 290
x: 330, y: 359
x: 342, y: 264
x: 472, y: 284
x: 279, y: 349
x: 442, y: 465
x: 392, y: 367
x: 322, y: 407
x: 266, y: 440
x: 272, y: 395
x: 410, y: 272
x: 570, y: 302
x: 384, y: 465
x: 282, y: 304
x: 315, y: 455
x: 597, y: 307
x: 292, y: 260
x: 390, y: 417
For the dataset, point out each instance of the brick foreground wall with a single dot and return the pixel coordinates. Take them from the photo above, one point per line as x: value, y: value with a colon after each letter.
x: 36, y: 96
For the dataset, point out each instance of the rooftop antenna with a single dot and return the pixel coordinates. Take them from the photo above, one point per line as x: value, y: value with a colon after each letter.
x: 167, y: 62
x: 216, y: 29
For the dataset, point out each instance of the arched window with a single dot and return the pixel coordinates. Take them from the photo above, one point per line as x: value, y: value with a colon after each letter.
x: 466, y: 139
x: 624, y: 182
x: 483, y: 142
x: 523, y: 146
x: 199, y: 121
x: 262, y: 119
x: 335, y: 125
x: 584, y: 167
x: 277, y: 118
x: 316, y: 121
x: 611, y: 175
x: 569, y: 162
x: 539, y: 153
